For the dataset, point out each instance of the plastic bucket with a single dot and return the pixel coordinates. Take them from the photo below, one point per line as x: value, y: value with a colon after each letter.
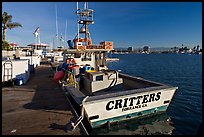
x: 19, y: 81
x: 52, y: 59
x: 86, y: 68
x: 75, y: 70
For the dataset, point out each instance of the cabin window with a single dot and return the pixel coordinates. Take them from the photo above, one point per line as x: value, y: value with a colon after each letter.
x: 86, y: 57
x: 77, y: 55
x: 99, y: 78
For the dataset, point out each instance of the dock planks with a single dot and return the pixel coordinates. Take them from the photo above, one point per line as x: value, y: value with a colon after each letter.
x: 37, y: 108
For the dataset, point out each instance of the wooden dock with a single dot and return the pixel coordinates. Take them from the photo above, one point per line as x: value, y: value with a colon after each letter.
x: 37, y: 108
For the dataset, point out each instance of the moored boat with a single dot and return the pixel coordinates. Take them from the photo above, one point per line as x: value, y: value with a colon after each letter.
x: 102, y: 96
x: 112, y: 59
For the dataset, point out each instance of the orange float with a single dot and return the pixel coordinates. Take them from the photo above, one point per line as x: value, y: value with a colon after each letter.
x: 71, y: 61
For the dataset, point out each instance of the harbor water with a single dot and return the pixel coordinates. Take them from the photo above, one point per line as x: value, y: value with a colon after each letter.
x: 184, y: 115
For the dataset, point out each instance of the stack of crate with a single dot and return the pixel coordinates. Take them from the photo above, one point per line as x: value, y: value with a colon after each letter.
x: 91, y: 47
x: 106, y: 44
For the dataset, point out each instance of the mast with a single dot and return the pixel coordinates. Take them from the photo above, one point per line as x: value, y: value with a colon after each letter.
x: 85, y: 17
x: 85, y: 5
x: 56, y: 26
x: 77, y: 20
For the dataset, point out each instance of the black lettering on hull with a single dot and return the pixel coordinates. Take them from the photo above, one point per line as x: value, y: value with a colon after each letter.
x: 133, y: 102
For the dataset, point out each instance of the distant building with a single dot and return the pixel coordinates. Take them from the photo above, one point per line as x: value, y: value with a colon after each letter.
x: 198, y: 48
x: 130, y: 49
x: 146, y: 49
x: 13, y: 45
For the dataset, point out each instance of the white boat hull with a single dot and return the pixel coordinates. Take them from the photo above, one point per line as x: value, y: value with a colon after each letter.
x: 112, y: 109
x: 17, y: 69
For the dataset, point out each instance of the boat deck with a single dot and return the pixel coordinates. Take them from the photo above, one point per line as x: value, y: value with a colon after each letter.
x: 115, y: 89
x: 37, y: 108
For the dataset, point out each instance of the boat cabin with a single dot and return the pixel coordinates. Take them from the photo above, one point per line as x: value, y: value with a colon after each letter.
x: 95, y: 58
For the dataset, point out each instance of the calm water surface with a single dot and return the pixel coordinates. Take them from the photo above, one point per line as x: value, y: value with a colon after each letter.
x: 184, y: 71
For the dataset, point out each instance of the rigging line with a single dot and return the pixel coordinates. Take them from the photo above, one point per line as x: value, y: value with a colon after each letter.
x: 65, y: 35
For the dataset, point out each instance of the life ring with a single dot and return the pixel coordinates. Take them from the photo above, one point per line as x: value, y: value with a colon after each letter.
x: 71, y: 61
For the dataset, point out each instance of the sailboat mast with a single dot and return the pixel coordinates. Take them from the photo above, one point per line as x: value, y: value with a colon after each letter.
x: 56, y: 26
x: 77, y: 21
x: 86, y: 24
x: 85, y: 5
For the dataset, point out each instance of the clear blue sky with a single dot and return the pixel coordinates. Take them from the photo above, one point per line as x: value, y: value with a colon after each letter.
x: 157, y: 24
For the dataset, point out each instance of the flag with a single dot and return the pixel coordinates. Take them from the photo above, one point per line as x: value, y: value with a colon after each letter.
x: 37, y: 31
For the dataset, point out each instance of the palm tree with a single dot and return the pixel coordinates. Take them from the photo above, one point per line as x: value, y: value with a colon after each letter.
x: 7, y: 23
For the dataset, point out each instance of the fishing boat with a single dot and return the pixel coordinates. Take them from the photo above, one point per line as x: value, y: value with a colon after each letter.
x: 101, y: 96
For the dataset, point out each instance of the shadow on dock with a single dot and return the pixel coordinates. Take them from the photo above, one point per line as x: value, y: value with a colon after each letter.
x: 38, y: 107
x: 48, y: 95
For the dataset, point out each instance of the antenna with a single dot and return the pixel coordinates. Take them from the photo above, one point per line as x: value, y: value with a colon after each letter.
x: 56, y: 26
x: 77, y: 23
x: 85, y: 18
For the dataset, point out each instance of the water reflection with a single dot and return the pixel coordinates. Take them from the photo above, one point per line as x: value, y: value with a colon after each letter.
x: 160, y: 124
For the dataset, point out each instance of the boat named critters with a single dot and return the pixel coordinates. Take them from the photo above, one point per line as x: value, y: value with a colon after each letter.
x: 101, y: 96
